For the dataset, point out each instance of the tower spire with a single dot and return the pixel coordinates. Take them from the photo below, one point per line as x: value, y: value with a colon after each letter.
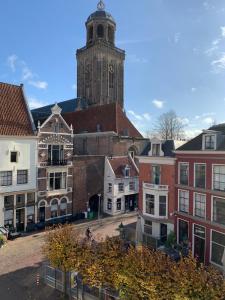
x: 101, y: 5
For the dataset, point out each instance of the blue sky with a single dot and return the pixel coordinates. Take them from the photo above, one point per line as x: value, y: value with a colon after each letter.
x: 175, y: 54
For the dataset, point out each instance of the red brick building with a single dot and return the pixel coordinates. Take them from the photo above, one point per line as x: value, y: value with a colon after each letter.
x: 156, y: 191
x: 200, y: 195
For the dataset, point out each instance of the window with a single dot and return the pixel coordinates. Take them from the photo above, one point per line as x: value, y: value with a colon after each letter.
x: 162, y: 206
x: 63, y: 207
x: 110, y: 188
x: 148, y: 227
x: 199, y: 243
x: 210, y: 141
x: 219, y: 178
x: 100, y: 31
x: 200, y: 205
x: 5, y: 178
x: 118, y: 204
x: 219, y: 210
x: 111, y: 77
x: 20, y: 200
x: 8, y: 218
x: 155, y: 149
x: 30, y: 214
x: 57, y: 181
x: 90, y: 33
x: 54, y: 208
x: 22, y: 176
x: 200, y: 175
x: 127, y: 172
x: 150, y: 204
x: 9, y: 201
x: 184, y: 201
x: 182, y: 231
x: 217, y: 247
x: 184, y: 173
x: 13, y: 156
x: 121, y: 187
x: 55, y: 153
x: 109, y: 204
x: 156, y: 174
x: 111, y: 34
x: 132, y: 186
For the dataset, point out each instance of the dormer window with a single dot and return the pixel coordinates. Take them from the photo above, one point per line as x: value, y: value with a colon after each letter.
x: 155, y: 149
x: 210, y: 141
x: 127, y: 171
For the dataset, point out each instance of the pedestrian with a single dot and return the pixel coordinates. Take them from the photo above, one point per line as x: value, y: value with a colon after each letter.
x: 88, y: 233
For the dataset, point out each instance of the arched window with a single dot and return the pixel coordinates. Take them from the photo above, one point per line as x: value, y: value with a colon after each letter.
x: 111, y: 34
x: 54, y: 208
x: 100, y: 31
x: 63, y: 207
x: 90, y: 33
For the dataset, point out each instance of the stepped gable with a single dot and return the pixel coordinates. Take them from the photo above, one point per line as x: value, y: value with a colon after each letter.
x: 15, y: 118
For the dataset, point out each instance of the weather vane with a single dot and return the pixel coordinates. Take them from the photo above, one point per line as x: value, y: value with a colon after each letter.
x: 101, y: 5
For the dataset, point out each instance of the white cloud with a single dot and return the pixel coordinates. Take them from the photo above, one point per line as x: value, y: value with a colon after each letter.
x: 177, y: 37
x: 219, y: 64
x: 26, y: 73
x: 222, y: 31
x: 136, y: 116
x: 39, y: 84
x: 35, y: 103
x: 191, y: 133
x: 74, y: 86
x: 193, y: 89
x: 133, y: 58
x: 158, y: 103
x: 204, y: 115
x: 184, y: 121
x: 11, y: 60
x: 147, y: 116
x: 208, y: 120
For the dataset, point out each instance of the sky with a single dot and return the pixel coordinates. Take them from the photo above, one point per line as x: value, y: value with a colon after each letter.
x: 175, y: 55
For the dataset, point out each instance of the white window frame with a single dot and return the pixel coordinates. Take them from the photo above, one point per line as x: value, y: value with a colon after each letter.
x: 212, y: 183
x: 210, y: 248
x: 156, y: 204
x: 212, y: 197
x: 196, y: 163
x: 183, y: 163
x: 196, y: 193
x: 193, y: 240
x: 203, y: 141
x: 178, y: 233
x: 182, y: 190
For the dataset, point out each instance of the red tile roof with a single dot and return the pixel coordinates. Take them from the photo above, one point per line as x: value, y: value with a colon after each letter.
x: 109, y: 117
x: 119, y: 163
x: 14, y: 113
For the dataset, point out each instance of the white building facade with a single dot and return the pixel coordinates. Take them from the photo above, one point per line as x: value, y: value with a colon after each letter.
x: 121, y: 185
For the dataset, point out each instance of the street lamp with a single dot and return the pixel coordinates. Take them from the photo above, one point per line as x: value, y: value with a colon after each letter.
x: 99, y: 205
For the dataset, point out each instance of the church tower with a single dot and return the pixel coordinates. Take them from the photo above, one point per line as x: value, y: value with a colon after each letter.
x: 100, y: 64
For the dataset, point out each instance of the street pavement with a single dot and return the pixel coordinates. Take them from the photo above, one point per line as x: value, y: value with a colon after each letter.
x: 21, y: 260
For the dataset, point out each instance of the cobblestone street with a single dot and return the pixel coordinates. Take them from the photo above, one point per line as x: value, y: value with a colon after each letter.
x: 20, y: 260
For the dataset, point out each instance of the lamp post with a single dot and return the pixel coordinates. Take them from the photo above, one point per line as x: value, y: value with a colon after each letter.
x: 99, y: 205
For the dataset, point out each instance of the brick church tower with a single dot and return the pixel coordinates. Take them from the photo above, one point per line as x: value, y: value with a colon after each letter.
x: 100, y: 64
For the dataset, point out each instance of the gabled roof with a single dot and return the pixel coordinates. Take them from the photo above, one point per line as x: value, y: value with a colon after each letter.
x: 118, y: 165
x: 168, y: 147
x: 109, y: 117
x: 15, y: 118
x: 195, y: 144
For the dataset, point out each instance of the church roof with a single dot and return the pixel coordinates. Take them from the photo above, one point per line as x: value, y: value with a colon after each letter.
x: 108, y: 117
x: 15, y: 118
x: 100, y: 14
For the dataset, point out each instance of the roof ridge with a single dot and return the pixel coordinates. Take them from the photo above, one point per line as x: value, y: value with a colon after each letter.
x: 12, y: 84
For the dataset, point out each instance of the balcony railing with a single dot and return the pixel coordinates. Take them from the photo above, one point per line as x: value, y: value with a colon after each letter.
x: 61, y: 162
x: 159, y: 187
